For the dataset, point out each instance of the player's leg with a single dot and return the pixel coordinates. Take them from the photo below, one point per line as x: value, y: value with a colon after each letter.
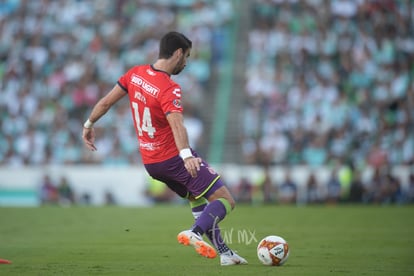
x: 173, y: 173
x: 227, y: 256
x: 197, y: 206
x: 214, y: 234
x: 213, y: 212
x: 220, y: 204
x: 209, y: 185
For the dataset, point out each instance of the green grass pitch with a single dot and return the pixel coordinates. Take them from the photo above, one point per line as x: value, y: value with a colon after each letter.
x: 324, y: 240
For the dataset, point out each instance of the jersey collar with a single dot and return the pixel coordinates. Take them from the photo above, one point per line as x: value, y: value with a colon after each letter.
x: 153, y: 68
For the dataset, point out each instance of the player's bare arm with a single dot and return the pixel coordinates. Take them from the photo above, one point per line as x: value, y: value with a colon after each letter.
x: 176, y: 121
x: 98, y: 111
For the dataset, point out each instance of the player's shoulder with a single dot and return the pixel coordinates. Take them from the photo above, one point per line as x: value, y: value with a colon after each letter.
x: 156, y: 78
x: 138, y: 68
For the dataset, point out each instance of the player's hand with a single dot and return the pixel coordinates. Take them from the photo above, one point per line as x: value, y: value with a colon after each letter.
x: 88, y: 137
x: 192, y: 164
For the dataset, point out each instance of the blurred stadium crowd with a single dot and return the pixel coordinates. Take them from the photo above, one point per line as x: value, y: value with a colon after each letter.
x: 58, y: 57
x: 330, y: 81
x: 327, y: 82
x: 344, y: 185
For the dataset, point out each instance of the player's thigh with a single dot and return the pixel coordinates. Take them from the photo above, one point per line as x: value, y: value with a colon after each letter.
x: 178, y: 188
x: 222, y: 192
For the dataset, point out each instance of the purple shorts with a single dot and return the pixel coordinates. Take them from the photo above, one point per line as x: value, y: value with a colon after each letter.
x: 173, y: 173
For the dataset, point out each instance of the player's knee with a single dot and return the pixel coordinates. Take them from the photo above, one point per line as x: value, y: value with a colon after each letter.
x: 228, y: 203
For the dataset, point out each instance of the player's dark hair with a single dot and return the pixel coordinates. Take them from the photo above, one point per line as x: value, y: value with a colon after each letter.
x: 172, y: 41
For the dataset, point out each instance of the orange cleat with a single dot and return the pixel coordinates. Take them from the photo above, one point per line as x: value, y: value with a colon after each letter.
x: 188, y: 237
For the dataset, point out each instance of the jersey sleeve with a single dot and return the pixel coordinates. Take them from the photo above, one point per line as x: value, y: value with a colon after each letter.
x: 123, y: 80
x: 170, y: 100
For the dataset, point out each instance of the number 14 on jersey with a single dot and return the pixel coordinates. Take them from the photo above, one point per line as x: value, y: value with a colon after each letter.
x: 146, y: 124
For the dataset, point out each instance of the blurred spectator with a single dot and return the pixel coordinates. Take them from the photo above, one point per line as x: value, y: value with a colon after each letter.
x: 109, y: 198
x: 268, y: 186
x: 377, y: 157
x: 243, y: 191
x: 195, y: 129
x: 333, y: 187
x: 384, y: 188
x: 49, y: 193
x: 395, y: 193
x: 85, y: 199
x: 374, y: 188
x: 66, y: 194
x: 312, y: 189
x: 345, y: 176
x: 288, y: 190
x: 357, y: 189
x: 263, y: 188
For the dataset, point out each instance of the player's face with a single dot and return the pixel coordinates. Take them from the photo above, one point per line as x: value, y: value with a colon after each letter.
x: 181, y: 62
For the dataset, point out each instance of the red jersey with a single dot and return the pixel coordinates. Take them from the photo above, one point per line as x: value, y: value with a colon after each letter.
x: 152, y: 95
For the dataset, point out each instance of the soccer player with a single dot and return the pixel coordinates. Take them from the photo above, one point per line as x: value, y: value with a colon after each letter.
x: 155, y: 102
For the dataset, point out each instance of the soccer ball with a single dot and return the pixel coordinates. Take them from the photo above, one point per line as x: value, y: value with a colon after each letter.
x: 273, y: 250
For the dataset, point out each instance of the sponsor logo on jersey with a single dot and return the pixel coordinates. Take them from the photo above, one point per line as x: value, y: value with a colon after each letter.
x: 148, y: 146
x: 146, y: 86
x: 177, y: 92
x: 177, y: 103
x: 150, y: 72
